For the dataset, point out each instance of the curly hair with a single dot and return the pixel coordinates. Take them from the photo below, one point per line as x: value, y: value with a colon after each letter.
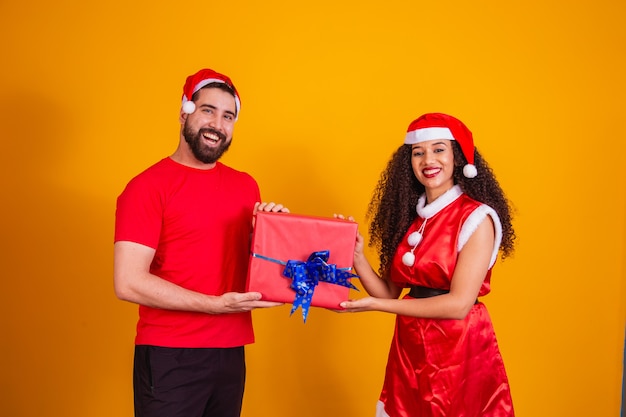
x: 392, y: 208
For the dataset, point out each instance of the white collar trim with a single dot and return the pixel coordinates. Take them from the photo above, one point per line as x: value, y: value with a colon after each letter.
x: 427, y: 211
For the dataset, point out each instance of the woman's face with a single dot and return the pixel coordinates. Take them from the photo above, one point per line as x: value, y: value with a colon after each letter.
x: 433, y: 166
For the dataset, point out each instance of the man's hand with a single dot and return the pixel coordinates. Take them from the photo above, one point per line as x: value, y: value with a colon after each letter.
x: 271, y: 206
x: 238, y: 302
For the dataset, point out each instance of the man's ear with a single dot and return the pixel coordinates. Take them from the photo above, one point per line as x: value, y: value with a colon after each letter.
x: 182, y: 117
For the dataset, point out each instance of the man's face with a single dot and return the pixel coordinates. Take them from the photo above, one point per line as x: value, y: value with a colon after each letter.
x: 209, y: 130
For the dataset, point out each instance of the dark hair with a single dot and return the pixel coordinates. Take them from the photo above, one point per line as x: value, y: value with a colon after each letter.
x: 215, y: 84
x: 392, y: 208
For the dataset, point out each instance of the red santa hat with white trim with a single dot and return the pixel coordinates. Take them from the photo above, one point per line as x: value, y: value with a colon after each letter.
x: 198, y: 80
x: 433, y: 126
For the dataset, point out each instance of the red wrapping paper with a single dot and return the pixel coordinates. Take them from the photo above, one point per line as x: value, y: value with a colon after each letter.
x: 286, y: 236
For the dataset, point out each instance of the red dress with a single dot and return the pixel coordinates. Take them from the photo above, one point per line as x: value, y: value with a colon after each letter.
x: 444, y: 368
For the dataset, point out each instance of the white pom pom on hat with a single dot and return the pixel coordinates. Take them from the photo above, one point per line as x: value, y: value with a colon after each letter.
x: 470, y: 171
x: 189, y: 107
x: 432, y: 126
x: 198, y: 80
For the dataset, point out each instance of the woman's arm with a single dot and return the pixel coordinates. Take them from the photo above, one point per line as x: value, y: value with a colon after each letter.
x: 371, y: 281
x: 469, y: 274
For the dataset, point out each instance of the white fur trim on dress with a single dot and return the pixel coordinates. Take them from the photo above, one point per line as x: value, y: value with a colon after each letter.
x: 472, y: 223
x: 426, y: 211
x: 380, y: 409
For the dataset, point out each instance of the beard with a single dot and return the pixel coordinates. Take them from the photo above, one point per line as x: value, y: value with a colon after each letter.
x: 202, y: 152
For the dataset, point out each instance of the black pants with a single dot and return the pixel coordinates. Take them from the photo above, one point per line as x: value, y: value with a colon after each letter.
x: 181, y: 382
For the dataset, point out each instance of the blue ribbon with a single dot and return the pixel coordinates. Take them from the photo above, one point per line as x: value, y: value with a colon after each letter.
x: 306, y: 275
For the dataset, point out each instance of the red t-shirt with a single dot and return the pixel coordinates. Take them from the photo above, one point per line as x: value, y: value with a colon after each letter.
x: 199, y: 222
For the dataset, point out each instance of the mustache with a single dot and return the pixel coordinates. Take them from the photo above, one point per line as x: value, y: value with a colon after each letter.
x: 213, y: 131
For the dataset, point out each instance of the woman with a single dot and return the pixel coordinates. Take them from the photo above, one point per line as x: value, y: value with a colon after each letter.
x: 444, y: 358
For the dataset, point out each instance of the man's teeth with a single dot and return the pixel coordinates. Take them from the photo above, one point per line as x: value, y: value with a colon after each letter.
x: 210, y: 136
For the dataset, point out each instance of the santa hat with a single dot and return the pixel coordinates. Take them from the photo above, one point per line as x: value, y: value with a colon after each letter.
x: 432, y: 126
x: 200, y: 79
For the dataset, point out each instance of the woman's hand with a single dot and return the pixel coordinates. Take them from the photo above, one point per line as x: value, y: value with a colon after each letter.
x: 362, y: 304
x: 359, y: 256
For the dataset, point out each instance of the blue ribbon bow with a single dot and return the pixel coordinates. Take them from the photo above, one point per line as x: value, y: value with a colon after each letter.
x: 306, y: 275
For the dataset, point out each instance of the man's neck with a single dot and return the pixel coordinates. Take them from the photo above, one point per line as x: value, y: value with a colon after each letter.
x: 186, y: 157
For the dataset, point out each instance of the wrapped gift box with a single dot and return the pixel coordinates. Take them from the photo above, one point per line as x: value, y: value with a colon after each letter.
x: 284, y: 237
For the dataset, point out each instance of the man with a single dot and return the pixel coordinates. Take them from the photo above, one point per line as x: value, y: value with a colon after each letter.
x: 182, y: 237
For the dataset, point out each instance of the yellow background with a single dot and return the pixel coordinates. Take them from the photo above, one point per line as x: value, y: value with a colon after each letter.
x: 90, y: 94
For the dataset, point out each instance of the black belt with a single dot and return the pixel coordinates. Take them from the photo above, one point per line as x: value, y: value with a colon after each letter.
x: 425, y: 292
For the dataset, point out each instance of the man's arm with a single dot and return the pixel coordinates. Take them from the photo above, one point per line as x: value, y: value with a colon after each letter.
x: 134, y: 283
